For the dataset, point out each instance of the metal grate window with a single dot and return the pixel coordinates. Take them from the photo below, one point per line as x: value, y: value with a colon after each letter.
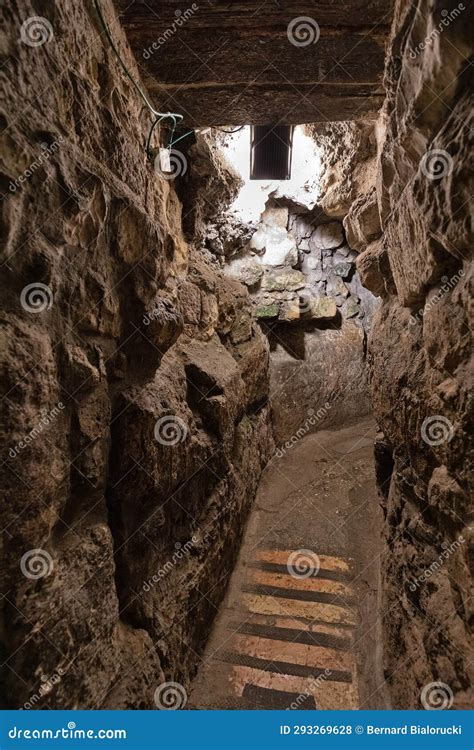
x: 270, y: 152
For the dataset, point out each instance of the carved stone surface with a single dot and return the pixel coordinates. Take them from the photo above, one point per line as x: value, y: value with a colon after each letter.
x: 420, y: 353
x: 136, y: 426
x: 136, y: 377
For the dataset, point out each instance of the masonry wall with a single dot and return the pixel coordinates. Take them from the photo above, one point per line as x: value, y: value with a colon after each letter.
x: 298, y: 263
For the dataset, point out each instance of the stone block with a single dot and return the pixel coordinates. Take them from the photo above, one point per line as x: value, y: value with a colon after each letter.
x: 335, y: 285
x: 290, y: 311
x: 362, y: 223
x: 369, y: 266
x: 289, y: 280
x: 343, y: 270
x: 323, y: 308
x: 327, y: 236
x: 250, y: 274
x: 266, y: 311
x: 350, y: 308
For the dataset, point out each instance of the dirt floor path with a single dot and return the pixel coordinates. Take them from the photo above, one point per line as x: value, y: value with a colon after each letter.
x: 297, y: 627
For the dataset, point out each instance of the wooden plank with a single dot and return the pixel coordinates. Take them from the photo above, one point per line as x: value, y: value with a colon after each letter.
x: 323, y: 573
x: 293, y: 653
x: 264, y: 105
x: 282, y: 556
x: 297, y: 594
x: 295, y: 623
x: 192, y: 58
x: 232, y: 63
x: 263, y: 697
x: 257, y: 14
x: 329, y: 695
x: 287, y: 668
x: 293, y: 635
x: 286, y: 581
x: 287, y: 607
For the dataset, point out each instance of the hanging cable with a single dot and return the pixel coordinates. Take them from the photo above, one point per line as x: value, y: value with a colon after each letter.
x: 185, y: 135
x: 155, y: 122
x: 159, y: 116
x: 229, y: 132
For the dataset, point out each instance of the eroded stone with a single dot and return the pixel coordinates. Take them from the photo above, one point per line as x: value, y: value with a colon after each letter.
x: 327, y: 236
x: 288, y: 280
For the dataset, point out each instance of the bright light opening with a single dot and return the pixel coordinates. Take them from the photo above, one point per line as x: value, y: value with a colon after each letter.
x: 302, y: 188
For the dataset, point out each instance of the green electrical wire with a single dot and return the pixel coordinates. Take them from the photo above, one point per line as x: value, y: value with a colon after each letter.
x: 158, y: 115
x: 190, y: 132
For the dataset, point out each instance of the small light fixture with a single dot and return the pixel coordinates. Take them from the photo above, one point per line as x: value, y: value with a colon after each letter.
x: 270, y: 152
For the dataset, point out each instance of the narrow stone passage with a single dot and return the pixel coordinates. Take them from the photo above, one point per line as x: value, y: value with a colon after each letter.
x: 297, y: 626
x: 231, y: 232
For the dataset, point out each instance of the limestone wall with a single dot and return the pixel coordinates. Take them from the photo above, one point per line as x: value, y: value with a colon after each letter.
x: 420, y: 353
x: 135, y: 383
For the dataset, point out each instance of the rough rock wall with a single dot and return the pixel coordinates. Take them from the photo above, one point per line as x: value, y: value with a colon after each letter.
x: 349, y: 163
x: 206, y: 188
x: 420, y: 354
x: 135, y: 386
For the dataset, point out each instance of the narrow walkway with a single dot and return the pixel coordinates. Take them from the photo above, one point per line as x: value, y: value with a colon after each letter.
x: 297, y: 627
